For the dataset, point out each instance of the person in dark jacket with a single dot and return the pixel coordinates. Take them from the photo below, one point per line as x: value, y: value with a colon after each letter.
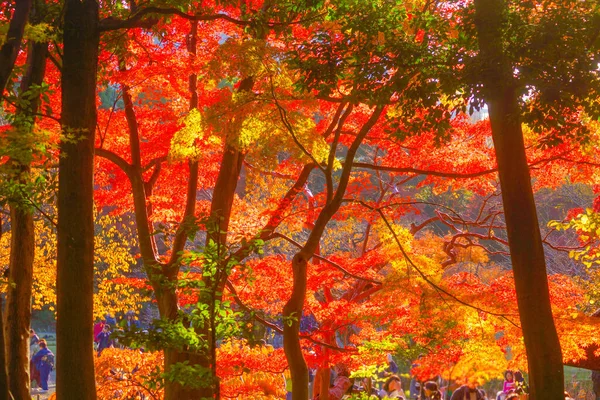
x: 103, y: 339
x: 131, y: 322
x: 468, y: 392
x: 431, y: 391
x: 110, y: 320
x: 44, y: 363
x: 392, y: 388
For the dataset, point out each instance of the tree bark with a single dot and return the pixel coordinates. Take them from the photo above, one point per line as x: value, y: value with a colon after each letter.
x: 217, y: 228
x: 10, y: 49
x: 75, y: 262
x: 527, y: 253
x: 18, y: 310
x: 4, y: 393
x: 22, y: 249
x: 293, y: 308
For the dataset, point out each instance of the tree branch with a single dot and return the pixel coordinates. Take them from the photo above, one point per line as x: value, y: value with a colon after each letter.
x: 426, y: 279
x: 137, y: 21
x: 116, y: 159
x: 273, y: 326
x: 326, y: 260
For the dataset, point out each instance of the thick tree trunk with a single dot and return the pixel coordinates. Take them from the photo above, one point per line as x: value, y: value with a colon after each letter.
x: 75, y: 264
x: 22, y: 249
x: 10, y: 49
x: 527, y: 253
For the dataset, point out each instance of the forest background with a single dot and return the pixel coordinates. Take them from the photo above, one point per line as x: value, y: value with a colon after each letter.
x: 361, y: 177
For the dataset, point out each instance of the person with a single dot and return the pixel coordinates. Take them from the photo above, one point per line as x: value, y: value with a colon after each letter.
x: 44, y: 363
x: 521, y: 385
x: 431, y: 391
x: 110, y: 320
x: 392, y: 388
x: 33, y: 341
x: 98, y: 326
x: 369, y: 389
x: 132, y: 323
x: 34, y: 375
x: 510, y: 386
x: 568, y: 396
x: 596, y: 384
x: 103, y: 339
x: 468, y: 391
x: 512, y: 396
x: 392, y: 368
x: 414, y: 389
x: 341, y: 383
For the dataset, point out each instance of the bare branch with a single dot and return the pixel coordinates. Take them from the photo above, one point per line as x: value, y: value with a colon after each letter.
x: 426, y: 279
x: 276, y: 328
x: 137, y: 19
x: 116, y: 159
x: 326, y: 260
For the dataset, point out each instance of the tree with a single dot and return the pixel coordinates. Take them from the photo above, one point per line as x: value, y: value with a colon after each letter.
x: 10, y: 48
x: 22, y: 249
x: 4, y: 393
x: 206, y: 123
x: 75, y: 248
x: 527, y: 253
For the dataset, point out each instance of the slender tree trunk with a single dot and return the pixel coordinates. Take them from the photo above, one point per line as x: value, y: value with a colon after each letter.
x: 75, y: 264
x: 220, y: 216
x: 217, y: 229
x: 527, y: 253
x: 292, y: 312
x: 10, y: 49
x: 4, y: 393
x: 22, y: 249
x: 18, y: 311
x: 293, y: 309
x: 321, y: 385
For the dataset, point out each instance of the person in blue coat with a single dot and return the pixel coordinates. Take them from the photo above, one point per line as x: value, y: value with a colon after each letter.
x: 103, y: 339
x: 131, y: 322
x: 44, y: 362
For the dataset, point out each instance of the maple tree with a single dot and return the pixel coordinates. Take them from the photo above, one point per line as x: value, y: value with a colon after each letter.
x: 276, y: 158
x: 236, y: 144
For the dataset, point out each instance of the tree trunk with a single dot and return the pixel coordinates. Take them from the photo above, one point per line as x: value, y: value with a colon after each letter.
x: 22, y: 249
x: 220, y: 216
x: 293, y: 309
x: 75, y: 262
x: 527, y: 254
x: 10, y: 49
x: 18, y: 311
x: 321, y: 385
x: 4, y: 393
x: 217, y: 229
x: 292, y: 312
